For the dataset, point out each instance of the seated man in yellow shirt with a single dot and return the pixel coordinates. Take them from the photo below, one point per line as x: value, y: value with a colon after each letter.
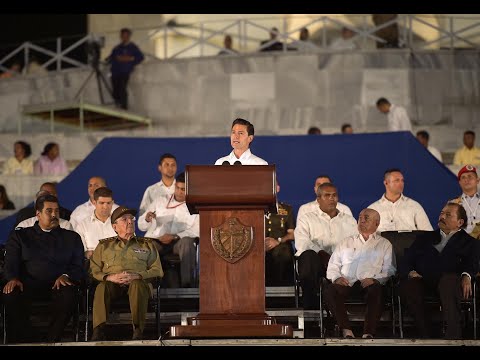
x: 469, y: 153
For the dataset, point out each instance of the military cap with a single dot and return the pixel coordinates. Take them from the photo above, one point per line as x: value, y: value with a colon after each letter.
x: 120, y: 211
x: 465, y: 169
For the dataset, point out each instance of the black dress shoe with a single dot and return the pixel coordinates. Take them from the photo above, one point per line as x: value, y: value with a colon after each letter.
x: 137, y: 334
x: 98, y: 333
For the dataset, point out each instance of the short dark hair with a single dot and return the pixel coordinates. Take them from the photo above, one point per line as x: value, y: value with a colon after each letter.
x: 314, y: 131
x: 469, y: 132
x: 324, y: 185
x: 423, y: 134
x: 40, y: 202
x: 382, y: 101
x: 180, y: 177
x: 345, y: 126
x: 248, y: 124
x: 26, y: 148
x: 103, y: 192
x: 389, y: 171
x: 324, y: 176
x: 49, y: 184
x: 461, y: 213
x: 166, y: 156
x: 48, y: 147
x: 126, y: 30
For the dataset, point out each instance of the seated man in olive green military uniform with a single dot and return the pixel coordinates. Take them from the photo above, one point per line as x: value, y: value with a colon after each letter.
x: 279, y: 233
x: 123, y: 264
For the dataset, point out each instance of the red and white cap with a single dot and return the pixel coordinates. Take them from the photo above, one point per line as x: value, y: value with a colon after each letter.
x: 466, y: 169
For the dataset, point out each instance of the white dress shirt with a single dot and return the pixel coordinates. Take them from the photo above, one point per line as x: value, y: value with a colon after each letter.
x: 317, y: 231
x: 153, y: 192
x: 83, y: 211
x: 64, y: 224
x: 398, y: 119
x: 356, y: 259
x: 247, y: 158
x: 403, y: 214
x: 312, y: 205
x: 91, y: 230
x: 172, y: 217
x: 472, y: 207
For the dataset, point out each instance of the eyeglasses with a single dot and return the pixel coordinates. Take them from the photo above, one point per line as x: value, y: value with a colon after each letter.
x: 125, y: 219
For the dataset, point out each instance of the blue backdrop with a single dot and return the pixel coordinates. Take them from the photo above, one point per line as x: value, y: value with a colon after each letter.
x: 355, y: 163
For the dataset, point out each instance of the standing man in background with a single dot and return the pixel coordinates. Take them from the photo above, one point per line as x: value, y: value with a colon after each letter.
x: 167, y: 167
x: 123, y: 59
x: 398, y: 119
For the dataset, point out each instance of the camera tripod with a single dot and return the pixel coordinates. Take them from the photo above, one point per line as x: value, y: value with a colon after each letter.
x: 100, y: 78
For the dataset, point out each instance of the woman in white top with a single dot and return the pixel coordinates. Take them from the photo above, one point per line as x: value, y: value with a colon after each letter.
x: 20, y: 163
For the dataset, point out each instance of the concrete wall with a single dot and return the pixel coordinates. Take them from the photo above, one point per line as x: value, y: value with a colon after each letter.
x: 279, y: 93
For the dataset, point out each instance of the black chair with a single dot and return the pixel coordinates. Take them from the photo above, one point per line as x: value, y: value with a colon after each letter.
x: 171, y: 267
x: 357, y: 300
x: 122, y: 304
x: 402, y: 240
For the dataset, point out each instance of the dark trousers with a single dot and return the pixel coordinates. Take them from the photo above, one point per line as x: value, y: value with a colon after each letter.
x: 19, y: 306
x: 337, y: 295
x: 119, y: 85
x: 279, y: 265
x: 448, y: 288
x: 312, y: 267
x: 187, y: 252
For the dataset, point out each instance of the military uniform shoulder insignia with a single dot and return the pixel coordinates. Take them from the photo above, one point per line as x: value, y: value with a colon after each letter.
x: 283, y: 208
x: 144, y: 239
x: 103, y: 241
x: 457, y: 200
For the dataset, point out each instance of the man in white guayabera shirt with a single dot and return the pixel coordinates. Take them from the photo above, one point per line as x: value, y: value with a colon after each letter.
x: 398, y: 212
x: 86, y: 209
x: 169, y: 220
x: 316, y: 235
x: 98, y: 224
x: 167, y: 167
x: 361, y: 264
x: 398, y: 119
x: 312, y: 205
x: 240, y: 138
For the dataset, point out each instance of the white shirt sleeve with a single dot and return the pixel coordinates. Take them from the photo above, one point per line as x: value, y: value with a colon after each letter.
x: 302, y: 236
x: 400, y: 120
x: 387, y: 268
x: 335, y: 265
x: 142, y: 224
x: 421, y: 219
x: 193, y: 231
x: 80, y: 229
x: 145, y: 201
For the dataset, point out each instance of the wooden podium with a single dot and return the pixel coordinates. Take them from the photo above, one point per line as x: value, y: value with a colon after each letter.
x: 231, y: 201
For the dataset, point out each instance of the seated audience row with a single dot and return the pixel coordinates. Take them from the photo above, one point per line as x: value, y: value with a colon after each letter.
x: 49, y: 163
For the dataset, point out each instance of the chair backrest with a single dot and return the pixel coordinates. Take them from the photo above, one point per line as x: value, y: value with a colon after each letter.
x: 400, y: 241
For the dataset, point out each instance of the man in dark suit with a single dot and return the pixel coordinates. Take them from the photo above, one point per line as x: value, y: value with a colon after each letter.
x: 41, y: 262
x: 444, y: 262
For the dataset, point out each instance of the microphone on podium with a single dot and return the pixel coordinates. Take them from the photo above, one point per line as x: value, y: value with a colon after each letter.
x: 225, y: 163
x: 238, y: 162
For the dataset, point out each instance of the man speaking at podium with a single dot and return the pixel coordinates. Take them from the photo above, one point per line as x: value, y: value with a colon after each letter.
x: 240, y: 138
